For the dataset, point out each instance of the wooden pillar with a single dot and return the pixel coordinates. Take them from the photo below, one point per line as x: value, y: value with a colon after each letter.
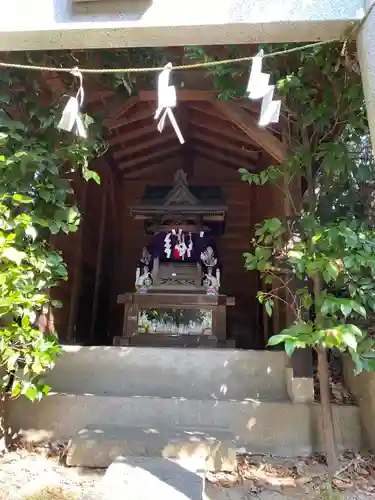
x: 77, y: 277
x: 99, y: 259
x: 219, y: 322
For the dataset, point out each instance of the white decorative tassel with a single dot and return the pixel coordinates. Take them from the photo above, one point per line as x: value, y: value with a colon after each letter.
x: 190, y: 246
x: 167, y: 99
x: 71, y: 119
x: 167, y: 246
x: 259, y: 88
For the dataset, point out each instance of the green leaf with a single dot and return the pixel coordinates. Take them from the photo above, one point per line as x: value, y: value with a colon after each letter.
x: 16, y: 389
x: 331, y: 272
x: 12, y: 361
x: 349, y: 339
x: 277, y: 339
x: 31, y: 393
x: 359, y: 308
x: 54, y: 227
x: 22, y: 198
x: 346, y: 309
x: 268, y: 305
x: 353, y: 329
x: 90, y: 174
x: 25, y: 322
x: 290, y: 347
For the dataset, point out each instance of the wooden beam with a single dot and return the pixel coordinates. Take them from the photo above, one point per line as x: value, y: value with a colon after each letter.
x: 140, y: 146
x: 216, y: 155
x: 202, y: 153
x: 182, y: 95
x: 224, y: 145
x: 133, y: 134
x: 228, y: 130
x: 128, y: 104
x: 126, y: 120
x: 266, y: 140
x: 112, y: 107
x: 209, y: 108
x: 158, y: 163
x: 148, y: 157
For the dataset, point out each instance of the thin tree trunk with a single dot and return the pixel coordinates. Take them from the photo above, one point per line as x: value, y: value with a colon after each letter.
x: 329, y: 438
x: 5, y: 434
x: 326, y: 412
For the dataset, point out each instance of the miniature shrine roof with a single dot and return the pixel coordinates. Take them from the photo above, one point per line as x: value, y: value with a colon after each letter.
x: 180, y: 199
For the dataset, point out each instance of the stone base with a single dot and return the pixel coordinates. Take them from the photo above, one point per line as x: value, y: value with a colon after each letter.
x: 98, y: 446
x: 299, y: 389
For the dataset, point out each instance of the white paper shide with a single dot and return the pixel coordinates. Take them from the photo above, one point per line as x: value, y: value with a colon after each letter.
x: 259, y: 88
x: 71, y: 120
x: 167, y: 100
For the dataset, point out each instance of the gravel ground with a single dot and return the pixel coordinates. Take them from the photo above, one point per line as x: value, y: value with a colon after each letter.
x: 23, y: 473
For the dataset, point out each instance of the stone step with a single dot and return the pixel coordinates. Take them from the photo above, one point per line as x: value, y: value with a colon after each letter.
x: 97, y: 446
x: 223, y: 374
x: 281, y: 428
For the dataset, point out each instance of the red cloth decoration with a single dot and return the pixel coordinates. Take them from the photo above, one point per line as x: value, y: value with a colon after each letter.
x: 176, y: 253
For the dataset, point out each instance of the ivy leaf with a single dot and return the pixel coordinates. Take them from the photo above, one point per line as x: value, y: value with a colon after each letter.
x: 31, y: 393
x: 22, y: 198
x: 91, y: 174
x: 54, y: 227
x: 16, y: 389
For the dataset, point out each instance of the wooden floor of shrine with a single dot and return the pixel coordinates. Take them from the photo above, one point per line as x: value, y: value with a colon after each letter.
x: 220, y: 137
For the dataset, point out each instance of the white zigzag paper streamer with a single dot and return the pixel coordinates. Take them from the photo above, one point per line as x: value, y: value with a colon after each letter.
x: 259, y: 88
x: 167, y: 99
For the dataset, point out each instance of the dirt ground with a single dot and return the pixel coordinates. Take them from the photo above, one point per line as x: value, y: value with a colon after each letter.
x: 24, y: 473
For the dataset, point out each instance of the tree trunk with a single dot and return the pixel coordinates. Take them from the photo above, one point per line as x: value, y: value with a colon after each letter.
x: 5, y: 434
x: 329, y: 438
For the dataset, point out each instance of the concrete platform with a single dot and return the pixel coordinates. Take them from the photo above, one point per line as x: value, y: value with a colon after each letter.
x: 114, y: 401
x: 221, y: 374
x: 267, y: 427
x: 149, y: 425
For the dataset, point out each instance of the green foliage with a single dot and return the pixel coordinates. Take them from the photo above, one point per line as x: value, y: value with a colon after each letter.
x: 37, y: 162
x: 328, y: 247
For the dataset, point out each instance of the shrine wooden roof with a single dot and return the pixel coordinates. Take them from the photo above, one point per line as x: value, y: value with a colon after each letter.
x: 223, y: 131
x: 181, y: 199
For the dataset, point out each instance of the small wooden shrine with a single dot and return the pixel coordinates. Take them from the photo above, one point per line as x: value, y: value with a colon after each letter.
x: 177, y: 298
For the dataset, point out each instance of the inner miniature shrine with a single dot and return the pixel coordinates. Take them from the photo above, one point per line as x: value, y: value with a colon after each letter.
x: 176, y: 298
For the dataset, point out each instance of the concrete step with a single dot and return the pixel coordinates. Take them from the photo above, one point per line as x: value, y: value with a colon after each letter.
x: 223, y: 374
x: 281, y: 428
x: 97, y: 446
